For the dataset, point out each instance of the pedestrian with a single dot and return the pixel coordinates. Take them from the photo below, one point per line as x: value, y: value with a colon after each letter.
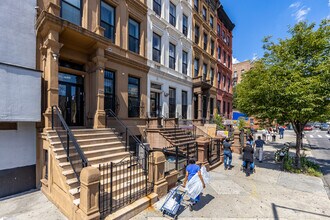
x: 227, y: 153
x: 251, y: 139
x: 259, y: 148
x: 248, y: 163
x: 268, y: 137
x: 191, y: 170
x: 281, y: 131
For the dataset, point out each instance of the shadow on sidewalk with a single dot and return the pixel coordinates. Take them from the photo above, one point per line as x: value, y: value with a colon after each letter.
x: 203, y: 202
x: 276, y: 207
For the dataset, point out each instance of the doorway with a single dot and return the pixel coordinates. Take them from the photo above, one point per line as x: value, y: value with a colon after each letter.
x: 71, y: 98
x: 155, y: 108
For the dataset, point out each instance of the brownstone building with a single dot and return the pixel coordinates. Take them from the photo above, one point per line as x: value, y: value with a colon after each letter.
x: 204, y: 59
x: 240, y: 69
x: 224, y: 65
x: 92, y: 56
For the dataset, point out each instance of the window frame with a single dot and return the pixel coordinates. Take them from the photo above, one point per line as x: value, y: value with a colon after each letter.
x: 155, y: 49
x: 172, y: 58
x: 108, y: 24
x: 172, y: 18
x: 211, y: 75
x: 205, y: 41
x: 204, y: 10
x: 134, y: 38
x: 204, y: 71
x: 197, y: 34
x: 80, y: 11
x: 184, y: 101
x: 184, y: 62
x: 196, y: 7
x: 211, y: 21
x: 159, y: 7
x: 131, y: 113
x: 171, y: 103
x: 106, y: 94
x: 196, y: 61
x: 185, y: 25
x: 212, y: 47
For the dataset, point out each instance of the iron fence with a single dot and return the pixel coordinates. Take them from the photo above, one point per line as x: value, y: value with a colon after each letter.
x: 123, y: 183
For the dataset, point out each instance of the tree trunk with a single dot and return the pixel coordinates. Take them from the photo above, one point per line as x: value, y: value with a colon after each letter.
x: 298, y: 147
x: 298, y: 128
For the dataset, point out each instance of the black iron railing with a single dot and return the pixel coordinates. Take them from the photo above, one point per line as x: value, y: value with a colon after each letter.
x: 127, y: 180
x: 123, y: 183
x: 75, y: 156
x: 132, y: 142
x: 177, y: 158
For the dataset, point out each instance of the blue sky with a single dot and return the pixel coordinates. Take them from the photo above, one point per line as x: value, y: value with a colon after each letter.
x: 255, y: 19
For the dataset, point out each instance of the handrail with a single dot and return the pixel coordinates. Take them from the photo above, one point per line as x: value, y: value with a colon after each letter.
x: 69, y: 139
x: 112, y: 114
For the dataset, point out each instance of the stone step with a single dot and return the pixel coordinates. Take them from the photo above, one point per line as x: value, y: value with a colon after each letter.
x: 80, y: 137
x: 97, y: 160
x: 89, y: 141
x: 113, y: 147
x: 91, y: 153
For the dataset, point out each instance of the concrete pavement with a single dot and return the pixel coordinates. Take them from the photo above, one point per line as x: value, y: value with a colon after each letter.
x: 267, y: 194
x: 31, y: 206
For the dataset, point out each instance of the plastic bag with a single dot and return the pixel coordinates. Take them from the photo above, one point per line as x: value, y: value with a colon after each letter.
x: 206, y: 176
x: 194, y: 186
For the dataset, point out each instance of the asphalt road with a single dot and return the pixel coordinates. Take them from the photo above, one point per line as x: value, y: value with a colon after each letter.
x: 320, y: 144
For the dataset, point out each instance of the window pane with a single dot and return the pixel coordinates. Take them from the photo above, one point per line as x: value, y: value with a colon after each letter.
x: 133, y: 97
x: 75, y: 3
x: 70, y: 13
x: 134, y: 29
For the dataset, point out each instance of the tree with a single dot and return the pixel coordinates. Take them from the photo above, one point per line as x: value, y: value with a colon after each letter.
x: 291, y: 83
x: 219, y: 122
x: 241, y: 123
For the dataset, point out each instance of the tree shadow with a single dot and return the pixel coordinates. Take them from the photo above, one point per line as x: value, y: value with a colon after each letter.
x: 275, y: 213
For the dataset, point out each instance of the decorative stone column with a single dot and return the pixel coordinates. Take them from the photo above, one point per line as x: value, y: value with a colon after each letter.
x: 89, y: 194
x: 98, y: 79
x: 203, y: 145
x: 51, y: 52
x: 200, y: 106
x: 237, y: 145
x: 157, y: 171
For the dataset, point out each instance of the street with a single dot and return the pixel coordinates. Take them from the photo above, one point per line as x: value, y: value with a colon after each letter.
x: 320, y: 144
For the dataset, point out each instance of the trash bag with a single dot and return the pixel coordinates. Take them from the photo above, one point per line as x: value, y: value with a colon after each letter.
x: 194, y: 187
x: 206, y: 176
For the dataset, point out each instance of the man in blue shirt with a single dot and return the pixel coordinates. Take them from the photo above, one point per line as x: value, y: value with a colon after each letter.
x: 191, y: 170
x: 259, y: 148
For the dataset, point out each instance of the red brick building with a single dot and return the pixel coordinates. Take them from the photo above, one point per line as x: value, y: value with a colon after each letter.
x: 224, y: 66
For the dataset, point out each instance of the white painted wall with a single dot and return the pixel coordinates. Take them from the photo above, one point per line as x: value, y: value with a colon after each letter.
x: 18, y: 148
x: 166, y: 83
x: 160, y: 73
x: 17, y: 33
x: 20, y: 94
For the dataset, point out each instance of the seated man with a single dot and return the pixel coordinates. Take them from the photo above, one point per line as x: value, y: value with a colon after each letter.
x: 248, y: 158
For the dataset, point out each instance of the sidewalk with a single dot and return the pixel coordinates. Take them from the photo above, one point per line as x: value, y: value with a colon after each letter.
x: 268, y: 194
x: 30, y: 205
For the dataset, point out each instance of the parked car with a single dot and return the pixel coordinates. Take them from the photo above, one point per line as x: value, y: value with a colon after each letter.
x: 317, y: 125
x: 308, y: 128
x: 324, y: 127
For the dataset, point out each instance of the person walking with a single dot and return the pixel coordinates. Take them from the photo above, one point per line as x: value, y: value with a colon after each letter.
x: 281, y: 131
x: 191, y: 170
x: 248, y: 158
x: 259, y: 148
x: 227, y: 153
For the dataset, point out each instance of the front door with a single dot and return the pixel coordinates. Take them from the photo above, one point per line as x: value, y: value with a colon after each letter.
x: 155, y: 108
x: 71, y: 98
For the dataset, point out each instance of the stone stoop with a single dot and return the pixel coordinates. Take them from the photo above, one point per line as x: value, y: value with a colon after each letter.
x: 179, y: 137
x: 99, y: 146
x: 134, y: 208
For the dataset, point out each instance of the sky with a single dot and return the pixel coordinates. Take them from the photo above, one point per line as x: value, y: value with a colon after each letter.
x: 255, y: 19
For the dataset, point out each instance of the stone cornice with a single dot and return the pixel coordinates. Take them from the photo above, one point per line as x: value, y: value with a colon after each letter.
x: 137, y: 5
x: 126, y: 61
